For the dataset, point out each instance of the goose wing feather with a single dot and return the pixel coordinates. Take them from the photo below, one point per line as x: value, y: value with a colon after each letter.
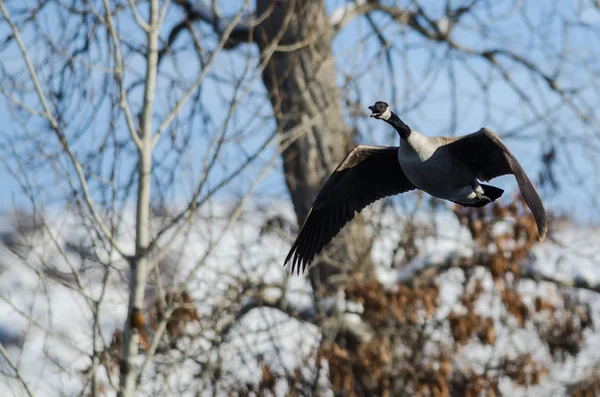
x: 488, y: 157
x: 367, y: 174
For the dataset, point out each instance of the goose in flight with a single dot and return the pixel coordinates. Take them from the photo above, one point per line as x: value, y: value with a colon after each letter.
x: 445, y: 167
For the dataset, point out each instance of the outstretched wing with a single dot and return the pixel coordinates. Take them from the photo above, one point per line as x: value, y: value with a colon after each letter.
x: 367, y: 174
x: 488, y: 157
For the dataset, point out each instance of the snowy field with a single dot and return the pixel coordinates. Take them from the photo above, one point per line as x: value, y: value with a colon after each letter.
x: 46, y: 327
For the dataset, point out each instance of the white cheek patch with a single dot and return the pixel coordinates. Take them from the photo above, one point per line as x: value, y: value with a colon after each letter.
x: 387, y: 114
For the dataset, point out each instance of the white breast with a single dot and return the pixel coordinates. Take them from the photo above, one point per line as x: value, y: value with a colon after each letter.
x: 419, y: 148
x: 430, y: 169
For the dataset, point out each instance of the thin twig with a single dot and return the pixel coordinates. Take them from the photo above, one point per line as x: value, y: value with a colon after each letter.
x: 12, y: 365
x: 59, y: 134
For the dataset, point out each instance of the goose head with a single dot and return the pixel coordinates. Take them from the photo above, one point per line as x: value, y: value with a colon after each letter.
x: 381, y: 110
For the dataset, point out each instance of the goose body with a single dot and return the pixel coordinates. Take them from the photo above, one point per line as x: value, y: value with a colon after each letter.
x: 446, y: 168
x: 429, y: 167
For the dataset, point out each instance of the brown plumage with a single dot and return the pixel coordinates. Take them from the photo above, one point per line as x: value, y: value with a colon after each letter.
x: 362, y: 178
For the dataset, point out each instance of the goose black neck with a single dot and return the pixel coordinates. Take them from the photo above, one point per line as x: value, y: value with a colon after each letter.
x: 403, y: 129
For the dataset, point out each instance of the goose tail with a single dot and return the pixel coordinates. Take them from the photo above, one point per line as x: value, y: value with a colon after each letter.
x: 491, y: 192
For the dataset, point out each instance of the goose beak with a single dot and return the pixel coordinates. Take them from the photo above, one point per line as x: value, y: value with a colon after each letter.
x: 374, y: 112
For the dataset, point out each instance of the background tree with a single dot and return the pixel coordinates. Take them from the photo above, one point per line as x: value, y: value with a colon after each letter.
x: 184, y: 108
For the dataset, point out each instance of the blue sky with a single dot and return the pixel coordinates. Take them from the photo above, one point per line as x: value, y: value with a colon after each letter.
x: 427, y: 77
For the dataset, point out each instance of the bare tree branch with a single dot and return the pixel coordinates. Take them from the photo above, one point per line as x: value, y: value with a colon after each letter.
x: 237, y: 32
x: 136, y: 14
x: 191, y: 143
x: 124, y: 103
x: 13, y: 366
x: 139, y: 264
x: 184, y: 98
x: 55, y: 126
x: 432, y: 265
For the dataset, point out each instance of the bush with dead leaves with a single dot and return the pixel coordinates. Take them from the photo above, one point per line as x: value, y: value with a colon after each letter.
x: 408, y: 355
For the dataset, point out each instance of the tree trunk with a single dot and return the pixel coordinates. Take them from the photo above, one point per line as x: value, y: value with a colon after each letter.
x: 307, y: 102
x: 303, y: 90
x: 139, y: 264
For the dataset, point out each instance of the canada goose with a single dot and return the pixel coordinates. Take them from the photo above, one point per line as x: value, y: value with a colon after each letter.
x: 445, y: 167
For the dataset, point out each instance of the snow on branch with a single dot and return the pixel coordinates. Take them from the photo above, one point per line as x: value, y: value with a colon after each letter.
x: 341, y: 16
x: 428, y: 265
x: 433, y: 263
x: 576, y: 280
x: 272, y: 298
x: 348, y: 312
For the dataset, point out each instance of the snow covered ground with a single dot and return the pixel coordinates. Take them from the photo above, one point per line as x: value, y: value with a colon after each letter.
x: 46, y: 327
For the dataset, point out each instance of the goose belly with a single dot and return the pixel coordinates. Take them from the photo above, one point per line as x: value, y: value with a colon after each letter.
x: 439, y: 176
